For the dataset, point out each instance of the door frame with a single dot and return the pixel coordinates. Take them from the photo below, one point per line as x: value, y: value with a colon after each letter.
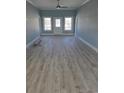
x: 61, y: 25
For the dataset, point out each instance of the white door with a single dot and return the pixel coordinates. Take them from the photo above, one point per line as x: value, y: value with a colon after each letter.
x: 58, y: 25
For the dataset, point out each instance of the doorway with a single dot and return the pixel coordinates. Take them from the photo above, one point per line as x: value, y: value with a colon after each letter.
x: 57, y: 25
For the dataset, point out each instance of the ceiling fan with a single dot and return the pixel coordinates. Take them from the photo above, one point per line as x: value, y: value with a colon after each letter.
x: 60, y: 6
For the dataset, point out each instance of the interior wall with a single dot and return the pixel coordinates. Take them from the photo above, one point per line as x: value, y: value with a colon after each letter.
x: 57, y: 13
x: 32, y: 23
x: 87, y: 23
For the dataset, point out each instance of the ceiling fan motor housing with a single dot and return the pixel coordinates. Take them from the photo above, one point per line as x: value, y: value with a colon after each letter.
x: 58, y: 6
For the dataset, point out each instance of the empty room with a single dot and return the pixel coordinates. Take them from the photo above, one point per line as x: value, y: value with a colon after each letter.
x: 62, y: 46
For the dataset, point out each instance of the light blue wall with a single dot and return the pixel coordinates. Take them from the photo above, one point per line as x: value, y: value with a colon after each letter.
x: 57, y: 13
x: 87, y: 23
x: 32, y: 22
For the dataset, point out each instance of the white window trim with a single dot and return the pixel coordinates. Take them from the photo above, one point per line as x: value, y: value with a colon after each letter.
x: 44, y: 24
x: 72, y: 28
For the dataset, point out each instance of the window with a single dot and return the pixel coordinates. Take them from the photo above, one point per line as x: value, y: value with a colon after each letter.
x: 58, y: 23
x: 47, y: 24
x: 68, y: 23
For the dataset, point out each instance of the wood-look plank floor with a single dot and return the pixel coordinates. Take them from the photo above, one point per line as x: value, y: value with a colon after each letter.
x: 62, y: 64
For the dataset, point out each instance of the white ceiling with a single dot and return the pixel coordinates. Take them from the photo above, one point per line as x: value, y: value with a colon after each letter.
x: 51, y: 4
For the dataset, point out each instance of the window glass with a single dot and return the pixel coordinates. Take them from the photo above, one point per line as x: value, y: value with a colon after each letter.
x: 47, y: 23
x: 68, y: 23
x: 58, y: 23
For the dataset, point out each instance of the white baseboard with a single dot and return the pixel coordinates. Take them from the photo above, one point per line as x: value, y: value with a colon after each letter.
x: 32, y: 42
x: 91, y: 46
